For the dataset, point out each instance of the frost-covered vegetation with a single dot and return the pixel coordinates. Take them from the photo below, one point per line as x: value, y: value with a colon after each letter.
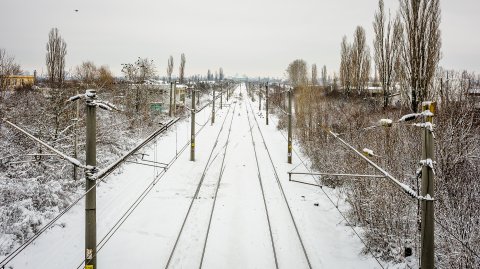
x: 36, y: 186
x: 389, y: 218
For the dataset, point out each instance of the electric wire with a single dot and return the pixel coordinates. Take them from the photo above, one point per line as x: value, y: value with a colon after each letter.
x: 465, y: 245
x: 196, y: 193
x: 452, y: 235
x: 207, y: 104
x: 336, y: 207
x: 136, y: 203
x: 436, y: 221
x: 222, y: 169
x: 106, y: 172
x: 262, y: 190
x: 282, y: 191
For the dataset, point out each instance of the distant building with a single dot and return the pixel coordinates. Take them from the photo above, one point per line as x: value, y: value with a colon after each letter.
x: 17, y: 81
x: 180, y: 91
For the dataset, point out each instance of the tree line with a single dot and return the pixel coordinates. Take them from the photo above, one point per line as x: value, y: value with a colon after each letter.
x: 406, y: 53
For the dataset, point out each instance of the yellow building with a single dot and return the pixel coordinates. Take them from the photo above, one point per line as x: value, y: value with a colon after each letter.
x: 17, y: 81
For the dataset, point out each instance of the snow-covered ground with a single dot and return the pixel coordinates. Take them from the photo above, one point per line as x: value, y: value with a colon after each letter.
x: 239, y: 234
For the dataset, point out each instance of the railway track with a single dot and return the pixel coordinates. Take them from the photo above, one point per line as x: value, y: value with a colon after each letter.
x: 157, y: 177
x: 279, y: 189
x: 211, y: 159
x: 201, y: 211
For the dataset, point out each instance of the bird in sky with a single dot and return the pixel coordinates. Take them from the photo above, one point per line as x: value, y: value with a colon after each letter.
x: 76, y: 10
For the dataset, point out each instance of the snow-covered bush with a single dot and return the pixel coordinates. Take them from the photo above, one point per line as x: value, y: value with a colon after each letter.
x: 34, y: 189
x: 389, y: 218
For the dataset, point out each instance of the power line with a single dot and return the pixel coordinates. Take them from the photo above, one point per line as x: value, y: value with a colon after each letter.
x: 197, y: 190
x: 340, y: 212
x: 458, y: 239
x: 137, y: 202
x: 263, y: 192
x: 403, y: 186
x: 62, y: 155
x: 222, y: 169
x: 282, y: 191
x: 100, y: 178
x: 452, y: 235
x: 407, y: 190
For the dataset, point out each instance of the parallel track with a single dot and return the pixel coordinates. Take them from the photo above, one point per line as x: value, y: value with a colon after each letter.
x: 139, y: 199
x: 281, y: 189
x: 200, y: 183
x: 250, y: 127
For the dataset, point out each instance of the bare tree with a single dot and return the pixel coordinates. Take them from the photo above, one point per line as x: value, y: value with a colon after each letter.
x: 360, y: 59
x: 170, y: 68
x: 314, y: 75
x: 146, y: 69
x: 139, y: 71
x: 297, y: 73
x: 105, y: 77
x: 7, y: 67
x: 136, y: 73
x: 86, y: 72
x: 345, y: 65
x: 55, y: 58
x: 387, y: 48
x: 182, y: 68
x: 324, y: 76
x: 421, y: 46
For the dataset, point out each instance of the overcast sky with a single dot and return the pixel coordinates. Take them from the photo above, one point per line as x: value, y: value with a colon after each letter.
x: 251, y: 37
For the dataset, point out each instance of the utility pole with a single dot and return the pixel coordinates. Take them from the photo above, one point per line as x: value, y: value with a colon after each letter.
x: 290, y: 126
x: 428, y: 187
x: 192, y: 138
x: 252, y: 94
x: 170, y: 111
x: 259, y: 96
x: 175, y: 98
x: 198, y: 97
x: 90, y: 198
x: 266, y: 102
x: 213, y: 107
x: 221, y: 98
x: 75, y: 140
